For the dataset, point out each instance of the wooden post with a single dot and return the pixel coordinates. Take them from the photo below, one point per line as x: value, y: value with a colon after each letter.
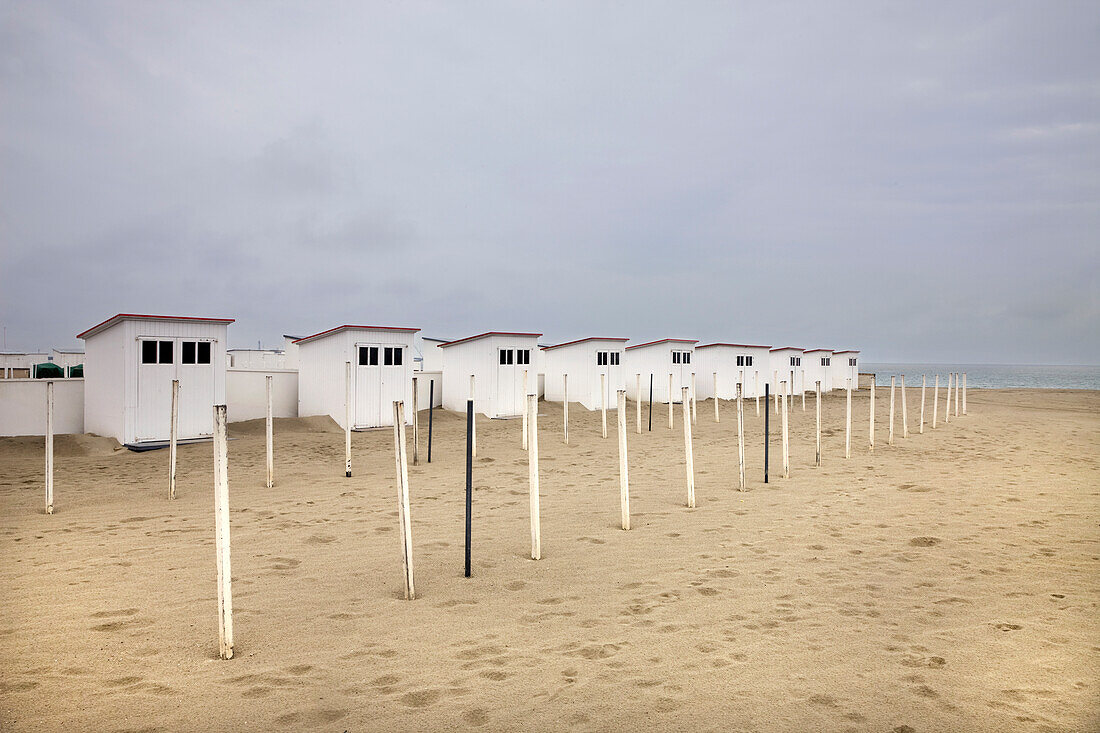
x: 403, y: 517
x: 716, y: 416
x: 431, y: 411
x: 651, y: 402
x: 533, y: 473
x: 817, y: 394
x: 786, y: 435
x: 964, y: 393
x: 756, y: 389
x: 638, y: 400
x: 923, y: 389
x: 694, y: 402
x: 956, y: 394
x: 775, y: 394
x: 740, y: 440
x: 871, y: 428
x: 904, y: 411
x: 624, y: 480
x: 689, y: 460
x: 49, y: 447
x: 269, y: 432
x: 603, y: 403
x: 416, y: 421
x: 347, y: 420
x: 469, y: 478
x: 173, y: 434
x: 473, y: 433
x: 848, y: 422
x: 670, y: 401
x: 890, y: 435
x: 790, y: 391
x: 221, y: 534
x: 936, y: 402
x: 766, y: 438
x: 947, y: 406
x: 523, y: 440
x: 565, y: 406
x: 803, y: 375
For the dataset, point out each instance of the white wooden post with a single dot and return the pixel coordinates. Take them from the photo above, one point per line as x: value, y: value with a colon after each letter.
x: 403, y: 515
x: 964, y: 393
x: 533, y: 474
x: 689, y: 460
x: 565, y: 406
x: 740, y: 440
x: 347, y: 420
x: 269, y: 433
x: 936, y: 402
x: 923, y: 389
x: 415, y: 421
x: 956, y: 394
x: 775, y: 385
x: 790, y: 391
x: 624, y: 480
x: 756, y: 389
x: 904, y: 411
x: 890, y: 435
x: 947, y: 406
x: 670, y: 401
x: 871, y: 429
x: 817, y: 399
x: 717, y: 418
x: 473, y: 428
x: 523, y: 440
x: 221, y: 534
x: 803, y: 375
x: 848, y: 422
x: 694, y: 402
x: 49, y: 447
x: 786, y: 445
x: 173, y: 433
x: 638, y: 401
x: 603, y: 403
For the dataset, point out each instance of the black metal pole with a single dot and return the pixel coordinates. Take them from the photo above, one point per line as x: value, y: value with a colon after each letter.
x: 469, y: 476
x: 767, y: 411
x: 431, y: 406
x: 651, y: 402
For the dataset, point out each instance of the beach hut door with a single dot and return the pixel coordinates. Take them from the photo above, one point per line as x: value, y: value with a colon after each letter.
x: 368, y: 386
x: 156, y: 370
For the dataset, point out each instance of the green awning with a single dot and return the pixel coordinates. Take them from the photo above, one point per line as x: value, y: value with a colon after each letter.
x: 48, y: 370
x: 77, y: 370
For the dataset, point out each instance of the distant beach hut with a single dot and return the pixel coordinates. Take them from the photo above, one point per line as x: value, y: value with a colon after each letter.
x: 585, y: 360
x: 747, y: 363
x: 818, y: 366
x: 497, y: 361
x: 784, y: 360
x: 381, y: 373
x: 660, y: 358
x: 129, y: 363
x: 845, y: 366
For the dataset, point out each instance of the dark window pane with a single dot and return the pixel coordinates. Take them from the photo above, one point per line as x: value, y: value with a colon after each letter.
x: 364, y: 356
x: 503, y: 356
x: 387, y: 356
x: 165, y: 352
x: 374, y: 356
x: 204, y: 352
x: 687, y: 357
x: 397, y: 351
x: 148, y: 352
x: 187, y: 352
x: 615, y: 358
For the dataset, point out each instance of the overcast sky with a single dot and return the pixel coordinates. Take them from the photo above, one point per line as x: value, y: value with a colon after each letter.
x: 920, y: 181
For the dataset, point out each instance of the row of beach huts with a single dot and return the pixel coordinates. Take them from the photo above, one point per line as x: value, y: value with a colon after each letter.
x: 356, y: 372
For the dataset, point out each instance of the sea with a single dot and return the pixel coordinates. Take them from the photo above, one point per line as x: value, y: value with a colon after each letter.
x: 992, y: 376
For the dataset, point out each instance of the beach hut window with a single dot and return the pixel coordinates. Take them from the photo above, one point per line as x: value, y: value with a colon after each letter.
x: 601, y: 358
x: 748, y: 361
x: 187, y: 352
x: 675, y: 357
x: 368, y: 356
x: 148, y: 352
x: 392, y: 356
x: 614, y: 358
x: 164, y: 352
x: 507, y: 356
x: 204, y: 352
x: 523, y: 356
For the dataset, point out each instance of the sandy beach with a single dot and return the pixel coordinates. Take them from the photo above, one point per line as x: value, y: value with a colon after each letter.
x: 947, y: 582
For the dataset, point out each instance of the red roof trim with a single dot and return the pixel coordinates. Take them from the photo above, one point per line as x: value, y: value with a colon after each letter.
x: 142, y: 317
x: 810, y: 351
x: 581, y: 341
x: 346, y: 327
x: 662, y: 341
x: 789, y: 348
x: 736, y: 346
x: 848, y: 351
x: 488, y: 333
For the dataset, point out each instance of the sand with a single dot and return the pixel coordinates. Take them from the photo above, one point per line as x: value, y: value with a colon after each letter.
x: 949, y: 582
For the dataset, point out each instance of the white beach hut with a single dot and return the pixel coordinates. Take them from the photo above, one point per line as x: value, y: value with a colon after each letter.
x: 660, y: 359
x: 431, y: 356
x: 845, y: 366
x: 381, y: 372
x: 784, y: 360
x: 497, y: 361
x: 817, y: 365
x: 585, y: 360
x: 130, y: 361
x: 748, y: 363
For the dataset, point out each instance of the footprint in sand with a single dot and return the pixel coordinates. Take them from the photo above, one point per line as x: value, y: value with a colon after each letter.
x: 515, y: 585
x: 119, y: 612
x: 924, y: 541
x: 319, y: 539
x: 1007, y: 627
x: 421, y: 698
x: 476, y: 716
